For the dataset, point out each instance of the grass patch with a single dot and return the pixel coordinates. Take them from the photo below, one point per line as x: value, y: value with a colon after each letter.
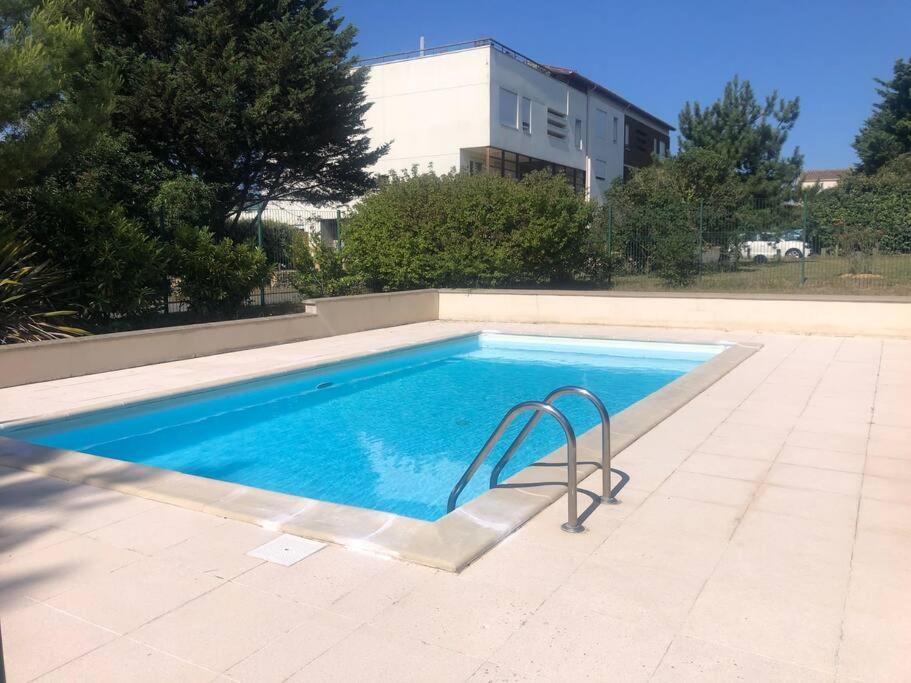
x: 867, y: 275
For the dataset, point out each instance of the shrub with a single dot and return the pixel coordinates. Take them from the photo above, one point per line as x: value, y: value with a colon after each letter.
x: 859, y: 245
x: 91, y: 218
x: 184, y: 202
x: 655, y: 227
x: 124, y: 271
x: 677, y: 256
x: 674, y: 215
x: 551, y: 236
x: 322, y: 273
x: 116, y: 269
x: 880, y: 203
x: 216, y: 277
x: 460, y: 230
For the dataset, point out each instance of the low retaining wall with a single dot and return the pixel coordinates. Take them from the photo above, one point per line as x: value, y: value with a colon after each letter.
x: 849, y: 316
x: 872, y: 316
x: 345, y: 314
x: 43, y: 361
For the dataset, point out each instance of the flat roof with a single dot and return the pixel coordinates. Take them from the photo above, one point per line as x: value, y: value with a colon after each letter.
x: 570, y: 77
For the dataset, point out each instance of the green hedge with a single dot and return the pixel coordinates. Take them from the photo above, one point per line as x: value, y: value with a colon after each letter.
x: 460, y: 230
x: 876, y: 207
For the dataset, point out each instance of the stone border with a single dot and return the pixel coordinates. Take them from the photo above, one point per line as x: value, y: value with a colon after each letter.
x: 450, y: 543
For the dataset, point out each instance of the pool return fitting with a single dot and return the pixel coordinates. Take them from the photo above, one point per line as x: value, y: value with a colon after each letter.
x: 541, y: 408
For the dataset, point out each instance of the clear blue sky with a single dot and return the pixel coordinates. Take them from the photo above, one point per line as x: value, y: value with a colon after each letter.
x: 661, y: 54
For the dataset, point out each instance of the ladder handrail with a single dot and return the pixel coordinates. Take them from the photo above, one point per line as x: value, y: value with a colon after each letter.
x: 606, y: 488
x: 540, y: 408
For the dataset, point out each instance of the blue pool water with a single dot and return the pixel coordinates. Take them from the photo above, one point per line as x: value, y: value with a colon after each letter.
x: 392, y: 431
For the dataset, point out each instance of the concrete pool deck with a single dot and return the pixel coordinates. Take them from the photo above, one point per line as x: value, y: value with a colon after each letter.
x: 765, y: 534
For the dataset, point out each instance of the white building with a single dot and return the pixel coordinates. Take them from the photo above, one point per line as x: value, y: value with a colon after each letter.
x: 480, y: 106
x: 824, y: 178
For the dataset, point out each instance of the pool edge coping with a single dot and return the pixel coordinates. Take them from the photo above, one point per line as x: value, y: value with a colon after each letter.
x: 449, y: 543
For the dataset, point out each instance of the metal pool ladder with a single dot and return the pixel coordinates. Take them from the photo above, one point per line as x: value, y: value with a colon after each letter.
x: 572, y: 524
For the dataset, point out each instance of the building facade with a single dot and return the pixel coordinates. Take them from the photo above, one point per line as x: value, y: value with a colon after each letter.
x: 824, y: 178
x: 481, y: 107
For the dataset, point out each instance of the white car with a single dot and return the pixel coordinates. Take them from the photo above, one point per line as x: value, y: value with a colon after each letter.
x: 765, y: 247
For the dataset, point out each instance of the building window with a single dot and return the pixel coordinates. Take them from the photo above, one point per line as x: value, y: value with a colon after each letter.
x: 616, y: 128
x: 626, y: 135
x: 510, y: 166
x: 495, y: 161
x: 475, y: 167
x: 578, y: 132
x: 600, y: 124
x: 526, y: 115
x: 328, y: 230
x: 509, y: 108
x: 661, y: 148
x: 600, y: 168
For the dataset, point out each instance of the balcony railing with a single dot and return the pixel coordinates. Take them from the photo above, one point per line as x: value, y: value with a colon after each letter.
x: 456, y: 47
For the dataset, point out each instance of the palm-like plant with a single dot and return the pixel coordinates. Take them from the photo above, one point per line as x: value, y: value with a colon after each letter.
x: 27, y: 293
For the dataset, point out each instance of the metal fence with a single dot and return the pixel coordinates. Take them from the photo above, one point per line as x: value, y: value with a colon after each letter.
x: 785, y: 248
x: 283, y: 230
x: 696, y: 246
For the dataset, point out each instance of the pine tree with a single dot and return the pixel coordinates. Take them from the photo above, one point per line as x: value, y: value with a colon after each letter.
x: 750, y: 136
x: 258, y: 99
x: 54, y: 98
x: 886, y: 134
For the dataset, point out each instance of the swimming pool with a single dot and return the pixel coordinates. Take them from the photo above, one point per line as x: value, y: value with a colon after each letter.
x: 390, y: 432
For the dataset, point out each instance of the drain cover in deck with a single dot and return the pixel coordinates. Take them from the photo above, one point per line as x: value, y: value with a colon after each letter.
x: 286, y: 549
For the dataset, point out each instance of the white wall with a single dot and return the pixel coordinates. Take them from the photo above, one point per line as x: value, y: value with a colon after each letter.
x: 865, y: 316
x: 429, y: 109
x: 823, y: 184
x: 543, y: 91
x: 434, y: 107
x: 601, y: 145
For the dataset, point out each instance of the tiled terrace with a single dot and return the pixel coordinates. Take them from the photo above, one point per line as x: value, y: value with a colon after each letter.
x: 765, y: 534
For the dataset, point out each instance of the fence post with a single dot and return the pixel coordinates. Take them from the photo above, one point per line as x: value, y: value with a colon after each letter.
x: 167, y: 283
x: 610, y: 244
x: 259, y: 243
x: 803, y: 260
x: 699, y: 247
